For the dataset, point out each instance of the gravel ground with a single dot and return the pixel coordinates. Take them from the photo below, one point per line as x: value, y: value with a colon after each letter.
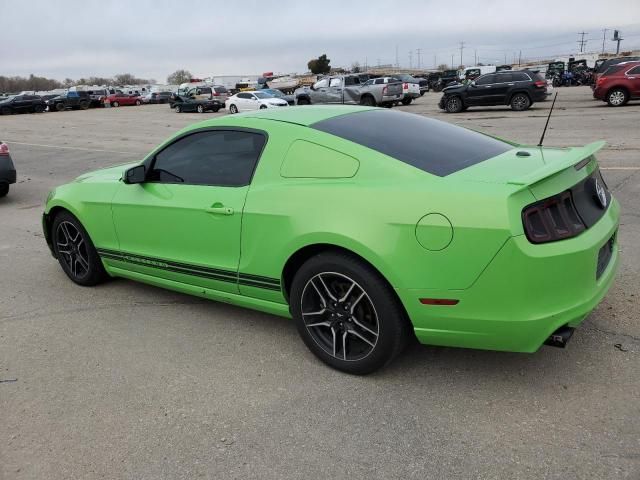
x: 127, y: 381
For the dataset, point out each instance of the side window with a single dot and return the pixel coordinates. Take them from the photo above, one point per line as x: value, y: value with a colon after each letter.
x: 634, y: 71
x: 244, y: 95
x: 504, y: 78
x: 324, y: 83
x: 486, y: 80
x: 379, y: 81
x: 368, y: 82
x: 18, y: 98
x: 219, y: 157
x: 335, y: 82
x: 520, y: 77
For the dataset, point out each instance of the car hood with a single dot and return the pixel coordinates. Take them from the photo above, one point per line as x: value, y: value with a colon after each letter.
x: 113, y: 173
x: 459, y: 87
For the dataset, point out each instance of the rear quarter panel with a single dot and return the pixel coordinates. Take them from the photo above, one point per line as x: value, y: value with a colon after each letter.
x: 373, y: 214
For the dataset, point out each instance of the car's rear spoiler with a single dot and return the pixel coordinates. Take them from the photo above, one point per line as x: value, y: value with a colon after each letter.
x: 580, y: 153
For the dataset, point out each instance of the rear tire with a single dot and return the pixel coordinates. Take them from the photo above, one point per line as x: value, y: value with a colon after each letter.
x: 84, y: 105
x: 453, y: 104
x: 75, y: 251
x: 520, y: 102
x: 304, y: 101
x: 368, y: 101
x: 617, y: 97
x: 262, y: 107
x: 138, y: 102
x: 200, y: 109
x: 60, y: 107
x: 216, y: 110
x: 353, y: 321
x: 115, y: 104
x: 5, y: 111
x: 38, y: 109
x: 4, y: 189
x: 407, y: 100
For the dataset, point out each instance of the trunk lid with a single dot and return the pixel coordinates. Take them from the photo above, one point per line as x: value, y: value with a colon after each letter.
x: 394, y: 89
x: 545, y: 171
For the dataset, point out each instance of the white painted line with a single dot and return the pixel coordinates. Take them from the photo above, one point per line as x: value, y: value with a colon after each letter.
x: 619, y: 168
x: 10, y: 142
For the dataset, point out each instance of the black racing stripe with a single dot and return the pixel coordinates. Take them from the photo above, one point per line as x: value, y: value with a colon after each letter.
x: 260, y: 278
x: 258, y: 281
x: 264, y: 286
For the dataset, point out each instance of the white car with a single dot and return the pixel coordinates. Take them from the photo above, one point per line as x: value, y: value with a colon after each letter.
x: 245, y: 101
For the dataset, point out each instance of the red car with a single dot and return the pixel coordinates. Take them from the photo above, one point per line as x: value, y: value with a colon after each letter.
x: 619, y: 84
x: 118, y: 99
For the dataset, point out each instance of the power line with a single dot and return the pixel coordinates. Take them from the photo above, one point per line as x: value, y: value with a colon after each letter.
x: 582, y: 42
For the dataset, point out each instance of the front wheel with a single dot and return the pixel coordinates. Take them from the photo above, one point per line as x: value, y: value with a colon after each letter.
x: 304, y: 101
x: 233, y: 109
x: 617, y: 97
x: 115, y: 104
x: 60, y: 107
x: 200, y: 109
x: 84, y: 105
x: 178, y: 109
x: 453, y: 105
x: 520, y: 102
x: 346, y: 313
x: 75, y: 251
x: 5, y: 111
x: 38, y: 109
x: 138, y: 102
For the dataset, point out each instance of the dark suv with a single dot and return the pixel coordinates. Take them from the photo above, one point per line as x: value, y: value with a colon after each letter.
x: 519, y: 89
x: 21, y: 103
x: 73, y: 100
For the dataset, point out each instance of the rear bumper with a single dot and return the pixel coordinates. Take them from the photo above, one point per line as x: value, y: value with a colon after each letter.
x: 599, y: 93
x: 526, y: 293
x: 7, y: 170
x: 390, y: 98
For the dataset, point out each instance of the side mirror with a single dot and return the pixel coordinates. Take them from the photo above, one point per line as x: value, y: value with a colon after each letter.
x: 135, y: 174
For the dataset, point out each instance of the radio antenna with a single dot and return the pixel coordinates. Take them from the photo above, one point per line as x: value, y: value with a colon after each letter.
x: 548, y: 118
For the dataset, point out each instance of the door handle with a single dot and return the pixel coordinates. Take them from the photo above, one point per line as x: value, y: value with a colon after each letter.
x: 219, y: 209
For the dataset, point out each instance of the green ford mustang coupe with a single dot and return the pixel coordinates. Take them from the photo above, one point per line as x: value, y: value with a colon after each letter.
x: 367, y: 226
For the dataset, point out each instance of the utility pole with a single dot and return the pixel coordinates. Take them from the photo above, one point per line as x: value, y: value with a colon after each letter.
x: 520, y: 58
x: 604, y: 36
x: 505, y: 58
x: 475, y: 57
x: 397, y: 61
x: 435, y: 61
x: 582, y: 42
x: 418, y: 50
x: 461, y: 50
x: 452, y: 61
x: 617, y: 38
x: 410, y: 59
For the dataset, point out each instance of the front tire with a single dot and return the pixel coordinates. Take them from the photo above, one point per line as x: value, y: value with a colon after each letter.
x: 200, y: 109
x: 75, y: 251
x: 233, y: 109
x: 38, y: 109
x: 84, y: 105
x: 138, y: 103
x: 520, y: 102
x: 453, y: 105
x: 178, y: 109
x: 5, y: 111
x: 59, y: 107
x: 304, y: 101
x: 617, y: 97
x: 115, y: 104
x: 346, y: 313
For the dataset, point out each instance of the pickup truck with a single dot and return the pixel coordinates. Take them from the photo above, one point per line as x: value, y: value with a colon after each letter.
x: 347, y: 89
x: 73, y: 100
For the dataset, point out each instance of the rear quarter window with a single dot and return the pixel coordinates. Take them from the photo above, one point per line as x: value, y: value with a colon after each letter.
x: 435, y: 147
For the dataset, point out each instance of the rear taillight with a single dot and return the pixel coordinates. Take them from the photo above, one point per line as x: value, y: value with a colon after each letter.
x: 552, y: 219
x: 405, y: 85
x: 216, y: 94
x: 540, y: 83
x: 4, y: 149
x: 385, y: 90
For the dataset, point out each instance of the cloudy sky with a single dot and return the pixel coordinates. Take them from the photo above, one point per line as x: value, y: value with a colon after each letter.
x: 151, y: 39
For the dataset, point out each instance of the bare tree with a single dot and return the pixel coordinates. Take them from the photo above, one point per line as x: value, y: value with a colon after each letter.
x: 179, y: 76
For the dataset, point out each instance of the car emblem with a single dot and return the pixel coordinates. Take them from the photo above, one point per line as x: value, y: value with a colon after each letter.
x: 601, y: 194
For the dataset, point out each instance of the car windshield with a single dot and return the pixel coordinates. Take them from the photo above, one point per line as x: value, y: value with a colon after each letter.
x: 262, y: 95
x: 433, y: 146
x: 274, y: 93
